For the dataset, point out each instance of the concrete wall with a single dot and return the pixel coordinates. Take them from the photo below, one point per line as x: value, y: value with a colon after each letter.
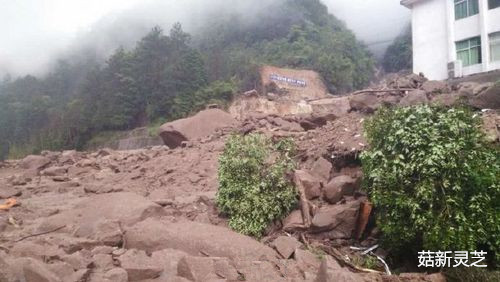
x: 430, y: 45
x: 435, y: 32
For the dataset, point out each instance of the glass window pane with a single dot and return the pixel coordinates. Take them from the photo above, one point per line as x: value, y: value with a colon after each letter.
x: 473, y: 7
x: 495, y: 46
x: 463, y: 45
x: 492, y: 4
x: 464, y: 57
x: 461, y: 10
x: 475, y: 56
x: 495, y: 52
x: 476, y: 41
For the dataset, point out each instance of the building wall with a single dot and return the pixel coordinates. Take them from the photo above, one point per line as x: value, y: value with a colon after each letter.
x: 430, y: 39
x: 435, y: 32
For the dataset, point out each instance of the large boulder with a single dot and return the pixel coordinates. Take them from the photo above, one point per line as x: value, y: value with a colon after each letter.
x: 311, y: 184
x: 365, y: 102
x: 489, y: 99
x: 195, y: 239
x: 435, y: 87
x: 330, y: 270
x: 322, y: 168
x: 340, y: 220
x: 338, y: 187
x: 139, y: 266
x: 100, y: 217
x: 331, y: 108
x: 414, y: 97
x: 200, y: 125
x: 33, y: 162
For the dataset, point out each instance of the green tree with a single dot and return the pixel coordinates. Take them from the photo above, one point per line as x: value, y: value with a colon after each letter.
x: 399, y: 55
x: 433, y: 180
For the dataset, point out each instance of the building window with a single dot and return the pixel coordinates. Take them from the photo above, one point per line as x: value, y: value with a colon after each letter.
x: 495, y: 46
x: 469, y: 51
x: 466, y: 8
x: 492, y: 4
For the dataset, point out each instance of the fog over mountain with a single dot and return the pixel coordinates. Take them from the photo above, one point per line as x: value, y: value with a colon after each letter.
x: 35, y: 33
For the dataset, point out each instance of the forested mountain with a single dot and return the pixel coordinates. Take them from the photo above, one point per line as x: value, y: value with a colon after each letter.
x: 399, y: 55
x: 167, y: 76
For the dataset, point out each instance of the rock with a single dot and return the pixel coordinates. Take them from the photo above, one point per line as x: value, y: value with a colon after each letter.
x: 100, y: 216
x: 81, y: 275
x: 414, y: 97
x: 194, y: 238
x: 35, y: 271
x: 293, y: 221
x: 257, y: 271
x: 448, y: 99
x: 169, y: 260
x: 117, y: 275
x: 339, y: 187
x: 34, y: 162
x: 435, y: 87
x: 339, y: 218
x: 331, y: 108
x: 4, y: 223
x: 20, y: 180
x: 307, y: 260
x: 206, y: 269
x: 202, y: 124
x: 103, y: 261
x: 77, y: 260
x: 330, y: 270
x: 106, y: 250
x: 54, y: 171
x: 364, y: 102
x: 286, y: 246
x: 93, y: 188
x: 322, y: 168
x: 62, y: 269
x: 139, y: 266
x: 481, y: 87
x: 7, y: 192
x: 37, y: 251
x: 488, y: 99
x: 467, y: 88
x: 6, y: 271
x: 312, y: 185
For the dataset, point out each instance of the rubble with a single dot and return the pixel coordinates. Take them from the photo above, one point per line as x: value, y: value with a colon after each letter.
x: 150, y: 214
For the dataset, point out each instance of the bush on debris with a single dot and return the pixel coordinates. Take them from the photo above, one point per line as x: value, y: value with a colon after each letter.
x: 433, y: 180
x: 253, y: 187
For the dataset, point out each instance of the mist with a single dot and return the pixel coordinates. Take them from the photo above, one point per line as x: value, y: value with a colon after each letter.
x: 36, y: 33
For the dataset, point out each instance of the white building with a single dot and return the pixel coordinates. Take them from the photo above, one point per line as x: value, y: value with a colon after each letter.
x: 454, y: 38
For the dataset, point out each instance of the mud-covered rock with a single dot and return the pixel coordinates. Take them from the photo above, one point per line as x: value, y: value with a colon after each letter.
x: 195, y: 238
x: 312, y: 185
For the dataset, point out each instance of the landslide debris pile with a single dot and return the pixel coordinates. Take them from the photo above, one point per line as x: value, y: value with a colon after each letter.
x: 150, y: 214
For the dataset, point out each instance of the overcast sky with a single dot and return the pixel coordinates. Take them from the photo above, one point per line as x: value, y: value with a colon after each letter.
x: 33, y: 32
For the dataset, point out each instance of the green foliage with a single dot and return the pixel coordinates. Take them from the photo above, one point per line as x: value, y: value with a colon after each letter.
x: 253, y: 189
x: 399, y: 55
x: 290, y: 33
x: 433, y: 180
x: 170, y: 75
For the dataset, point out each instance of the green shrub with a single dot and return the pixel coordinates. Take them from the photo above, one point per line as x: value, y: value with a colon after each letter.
x: 253, y: 189
x: 433, y: 180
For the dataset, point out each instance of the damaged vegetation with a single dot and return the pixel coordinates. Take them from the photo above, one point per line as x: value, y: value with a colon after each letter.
x: 433, y: 180
x: 253, y: 190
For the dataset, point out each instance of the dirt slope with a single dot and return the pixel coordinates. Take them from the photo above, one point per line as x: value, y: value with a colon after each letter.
x: 150, y: 214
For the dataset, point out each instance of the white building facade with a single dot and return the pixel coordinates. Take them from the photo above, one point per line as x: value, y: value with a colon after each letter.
x: 455, y: 38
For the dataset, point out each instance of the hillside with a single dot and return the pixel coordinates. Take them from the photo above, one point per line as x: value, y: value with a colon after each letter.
x: 171, y: 74
x: 151, y: 214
